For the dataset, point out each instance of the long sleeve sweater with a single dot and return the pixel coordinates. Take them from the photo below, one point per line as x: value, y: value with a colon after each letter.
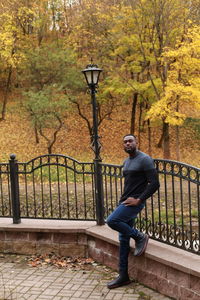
x: 141, y: 178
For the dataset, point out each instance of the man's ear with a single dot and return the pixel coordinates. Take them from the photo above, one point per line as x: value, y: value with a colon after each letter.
x: 136, y: 139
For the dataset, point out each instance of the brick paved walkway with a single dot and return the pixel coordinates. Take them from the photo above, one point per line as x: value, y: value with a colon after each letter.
x: 18, y: 281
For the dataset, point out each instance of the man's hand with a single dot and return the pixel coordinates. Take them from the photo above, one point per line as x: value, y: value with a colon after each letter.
x: 132, y: 201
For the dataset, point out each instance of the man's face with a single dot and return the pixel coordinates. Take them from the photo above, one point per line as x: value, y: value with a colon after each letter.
x: 129, y: 144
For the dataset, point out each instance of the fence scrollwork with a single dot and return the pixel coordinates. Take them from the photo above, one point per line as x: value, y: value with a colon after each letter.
x: 60, y: 187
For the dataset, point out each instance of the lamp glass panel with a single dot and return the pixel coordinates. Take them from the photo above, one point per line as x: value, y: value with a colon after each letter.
x: 88, y: 76
x: 95, y: 76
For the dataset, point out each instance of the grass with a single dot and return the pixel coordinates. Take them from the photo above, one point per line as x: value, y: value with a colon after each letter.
x: 57, y: 173
x: 143, y: 296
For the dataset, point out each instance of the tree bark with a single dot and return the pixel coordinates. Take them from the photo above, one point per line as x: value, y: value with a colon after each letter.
x: 177, y: 135
x: 5, y: 99
x: 101, y: 116
x: 177, y: 143
x: 139, y: 124
x: 51, y: 142
x: 166, y: 147
x: 133, y: 113
x: 149, y: 137
x: 36, y: 134
x: 159, y: 145
x: 164, y: 140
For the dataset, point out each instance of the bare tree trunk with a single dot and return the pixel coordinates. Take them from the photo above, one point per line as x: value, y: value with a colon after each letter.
x: 177, y: 143
x: 149, y: 137
x: 89, y: 126
x: 164, y: 140
x: 166, y: 147
x: 139, y: 125
x: 51, y: 142
x: 5, y: 99
x: 159, y: 145
x: 36, y: 134
x: 55, y: 135
x: 53, y: 16
x: 177, y: 135
x: 133, y: 113
x: 101, y: 116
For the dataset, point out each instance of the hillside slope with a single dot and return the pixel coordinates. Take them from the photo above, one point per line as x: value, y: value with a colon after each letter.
x: 17, y: 136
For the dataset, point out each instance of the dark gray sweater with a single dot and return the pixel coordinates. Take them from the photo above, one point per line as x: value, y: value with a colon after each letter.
x: 141, y: 178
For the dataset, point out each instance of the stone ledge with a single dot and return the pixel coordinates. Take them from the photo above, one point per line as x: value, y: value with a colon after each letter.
x: 169, y: 270
x: 168, y: 255
x: 38, y: 225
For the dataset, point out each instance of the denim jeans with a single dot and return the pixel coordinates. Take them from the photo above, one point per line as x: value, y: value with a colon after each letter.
x: 122, y: 220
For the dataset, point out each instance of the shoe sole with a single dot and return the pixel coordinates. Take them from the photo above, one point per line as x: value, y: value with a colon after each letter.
x: 144, y: 248
x: 119, y: 285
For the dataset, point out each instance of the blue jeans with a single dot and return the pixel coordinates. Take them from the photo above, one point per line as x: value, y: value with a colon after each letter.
x: 122, y: 220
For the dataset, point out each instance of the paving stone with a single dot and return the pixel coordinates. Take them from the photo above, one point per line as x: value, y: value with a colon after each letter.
x: 30, y: 297
x: 43, y: 297
x: 47, y: 282
x: 66, y: 293
x: 23, y: 289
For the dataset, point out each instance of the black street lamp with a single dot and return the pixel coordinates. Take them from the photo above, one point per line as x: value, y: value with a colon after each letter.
x: 92, y: 73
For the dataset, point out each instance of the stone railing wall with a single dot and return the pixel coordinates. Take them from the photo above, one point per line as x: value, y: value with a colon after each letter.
x: 168, y: 270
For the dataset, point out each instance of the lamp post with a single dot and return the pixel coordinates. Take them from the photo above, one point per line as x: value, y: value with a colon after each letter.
x: 92, y: 73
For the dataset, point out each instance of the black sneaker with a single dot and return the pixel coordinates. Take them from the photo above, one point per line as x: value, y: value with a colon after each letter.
x: 119, y: 281
x: 141, y: 244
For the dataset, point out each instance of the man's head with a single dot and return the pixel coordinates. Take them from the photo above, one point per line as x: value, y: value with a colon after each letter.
x: 130, y: 143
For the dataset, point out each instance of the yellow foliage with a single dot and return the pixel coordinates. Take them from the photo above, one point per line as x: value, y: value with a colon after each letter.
x: 10, y: 37
x: 183, y: 80
x: 143, y: 46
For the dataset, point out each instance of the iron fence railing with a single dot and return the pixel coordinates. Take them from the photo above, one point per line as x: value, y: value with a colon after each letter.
x: 60, y: 187
x: 172, y: 214
x: 48, y: 187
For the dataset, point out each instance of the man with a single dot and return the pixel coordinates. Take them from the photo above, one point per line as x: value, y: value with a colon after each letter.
x: 140, y: 183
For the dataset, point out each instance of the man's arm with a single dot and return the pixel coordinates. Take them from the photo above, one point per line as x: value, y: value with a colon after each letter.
x: 152, y: 186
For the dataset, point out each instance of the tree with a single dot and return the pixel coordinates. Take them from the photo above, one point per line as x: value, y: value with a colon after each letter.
x: 105, y: 110
x: 132, y: 40
x: 183, y: 84
x: 88, y: 35
x: 46, y: 109
x: 11, y: 55
x: 143, y: 30
x: 51, y: 80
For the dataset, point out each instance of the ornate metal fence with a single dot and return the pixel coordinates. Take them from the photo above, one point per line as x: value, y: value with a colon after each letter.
x: 172, y: 215
x: 48, y: 187
x: 5, y: 191
x: 60, y: 187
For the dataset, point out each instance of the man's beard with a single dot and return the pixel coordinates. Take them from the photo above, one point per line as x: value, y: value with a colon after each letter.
x: 130, y: 150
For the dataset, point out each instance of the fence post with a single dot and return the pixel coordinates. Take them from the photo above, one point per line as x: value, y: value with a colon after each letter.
x: 99, y: 192
x: 14, y: 181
